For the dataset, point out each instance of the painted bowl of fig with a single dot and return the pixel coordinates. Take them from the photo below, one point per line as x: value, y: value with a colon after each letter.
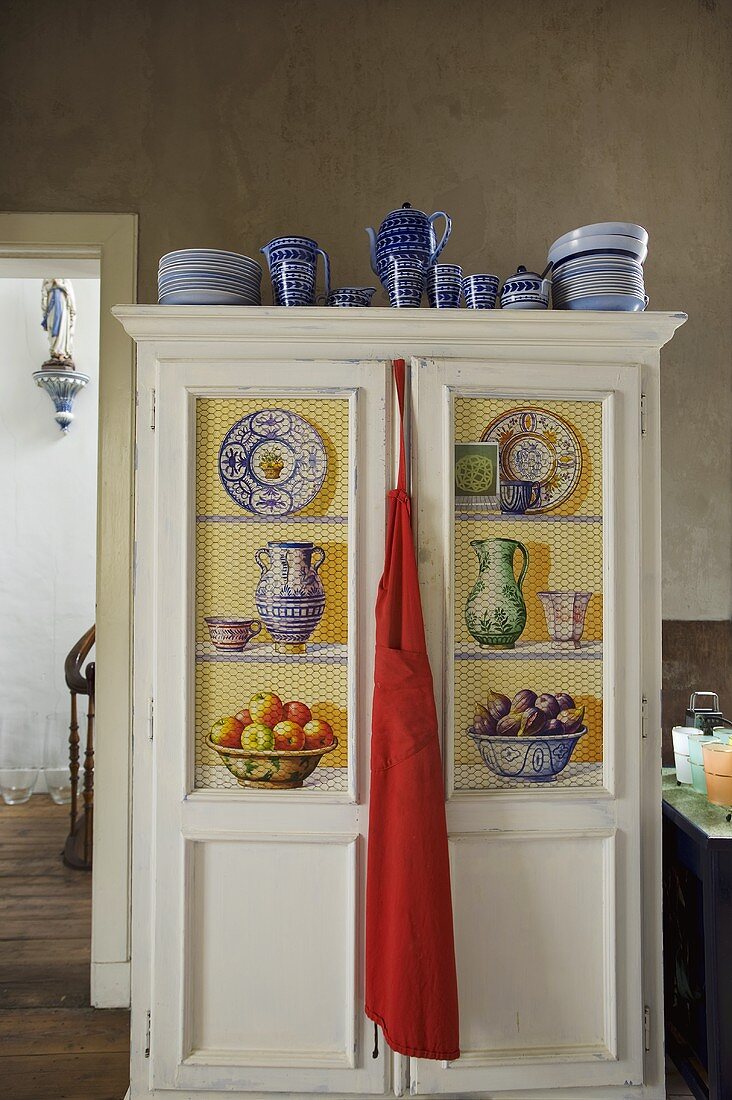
x: 539, y: 759
x: 271, y: 769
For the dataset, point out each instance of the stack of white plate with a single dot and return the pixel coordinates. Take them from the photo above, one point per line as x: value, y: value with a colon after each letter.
x: 209, y: 277
x: 600, y: 267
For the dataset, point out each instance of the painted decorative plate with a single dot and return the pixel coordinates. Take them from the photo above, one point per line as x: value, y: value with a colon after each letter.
x: 538, y: 445
x: 272, y: 462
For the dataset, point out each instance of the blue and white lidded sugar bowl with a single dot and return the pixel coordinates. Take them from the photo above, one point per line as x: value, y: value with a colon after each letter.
x: 525, y: 290
x: 408, y: 234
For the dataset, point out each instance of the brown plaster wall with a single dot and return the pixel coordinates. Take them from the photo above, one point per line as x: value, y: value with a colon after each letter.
x: 223, y: 122
x: 697, y: 656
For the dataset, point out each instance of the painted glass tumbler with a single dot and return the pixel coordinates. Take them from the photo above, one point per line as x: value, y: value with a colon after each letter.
x: 444, y: 284
x: 290, y: 597
x: 480, y: 291
x: 565, y: 617
x: 495, y: 611
x: 404, y: 283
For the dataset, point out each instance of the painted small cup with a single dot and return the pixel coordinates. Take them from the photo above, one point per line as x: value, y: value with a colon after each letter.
x: 444, y: 285
x: 404, y: 283
x: 480, y: 291
x: 348, y: 296
x: 232, y: 635
x: 518, y: 496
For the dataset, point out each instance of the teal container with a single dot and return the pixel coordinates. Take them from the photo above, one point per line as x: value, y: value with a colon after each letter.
x: 696, y: 760
x: 699, y: 778
x: 722, y: 733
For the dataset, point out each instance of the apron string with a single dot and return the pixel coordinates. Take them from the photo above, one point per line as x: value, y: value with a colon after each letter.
x: 399, y: 371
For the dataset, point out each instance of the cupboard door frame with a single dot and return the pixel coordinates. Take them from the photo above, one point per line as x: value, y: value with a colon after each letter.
x: 179, y: 822
x: 611, y: 814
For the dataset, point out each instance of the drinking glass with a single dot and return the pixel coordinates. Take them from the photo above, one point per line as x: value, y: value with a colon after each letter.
x: 56, y: 759
x: 16, y: 784
x: 58, y: 784
x: 19, y: 756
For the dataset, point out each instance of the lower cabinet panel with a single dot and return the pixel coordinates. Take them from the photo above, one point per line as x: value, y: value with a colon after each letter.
x: 533, y: 952
x: 532, y: 946
x: 272, y: 945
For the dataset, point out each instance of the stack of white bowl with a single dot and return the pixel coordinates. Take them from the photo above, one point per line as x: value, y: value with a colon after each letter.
x: 600, y: 267
x: 209, y: 277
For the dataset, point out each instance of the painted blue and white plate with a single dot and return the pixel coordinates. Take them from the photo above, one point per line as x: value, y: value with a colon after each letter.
x: 537, y: 445
x: 272, y: 462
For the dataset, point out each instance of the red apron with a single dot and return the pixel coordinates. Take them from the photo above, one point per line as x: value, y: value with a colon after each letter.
x: 411, y: 983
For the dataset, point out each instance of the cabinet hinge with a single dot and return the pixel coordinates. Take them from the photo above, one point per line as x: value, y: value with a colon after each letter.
x: 643, y: 414
x: 644, y: 716
x: 153, y: 403
x: 646, y: 1028
x: 147, y: 1035
x: 151, y: 718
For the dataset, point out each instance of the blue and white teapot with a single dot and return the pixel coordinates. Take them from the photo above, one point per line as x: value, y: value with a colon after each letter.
x: 408, y: 234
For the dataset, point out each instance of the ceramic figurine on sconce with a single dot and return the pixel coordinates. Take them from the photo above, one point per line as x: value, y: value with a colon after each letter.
x: 58, y: 376
x: 59, y: 320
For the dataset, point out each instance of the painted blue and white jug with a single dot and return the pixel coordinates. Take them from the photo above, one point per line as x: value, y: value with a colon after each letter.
x: 290, y: 597
x: 408, y: 234
x: 285, y: 253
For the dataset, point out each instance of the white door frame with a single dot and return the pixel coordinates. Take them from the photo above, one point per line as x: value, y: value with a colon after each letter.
x: 112, y: 240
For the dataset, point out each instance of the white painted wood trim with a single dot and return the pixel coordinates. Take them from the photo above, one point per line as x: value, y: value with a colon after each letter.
x: 112, y: 239
x: 111, y: 984
x: 404, y: 332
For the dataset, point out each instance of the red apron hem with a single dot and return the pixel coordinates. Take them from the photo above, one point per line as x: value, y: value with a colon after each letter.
x: 407, y: 1051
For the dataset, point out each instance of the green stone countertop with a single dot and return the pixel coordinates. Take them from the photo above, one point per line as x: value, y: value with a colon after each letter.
x: 707, y: 817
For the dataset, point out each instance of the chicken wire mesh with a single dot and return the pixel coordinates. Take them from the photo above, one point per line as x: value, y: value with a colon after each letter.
x: 271, y: 593
x: 527, y: 708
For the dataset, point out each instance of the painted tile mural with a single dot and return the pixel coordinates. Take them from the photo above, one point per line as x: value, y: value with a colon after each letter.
x: 528, y: 596
x: 272, y: 509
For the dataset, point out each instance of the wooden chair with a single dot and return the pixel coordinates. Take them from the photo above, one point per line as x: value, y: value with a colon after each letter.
x: 78, y: 848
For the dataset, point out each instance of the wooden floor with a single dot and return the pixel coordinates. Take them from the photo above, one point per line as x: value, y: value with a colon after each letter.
x: 53, y: 1046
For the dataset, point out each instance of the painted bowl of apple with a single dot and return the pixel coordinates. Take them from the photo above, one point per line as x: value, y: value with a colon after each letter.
x: 271, y: 769
x: 539, y: 759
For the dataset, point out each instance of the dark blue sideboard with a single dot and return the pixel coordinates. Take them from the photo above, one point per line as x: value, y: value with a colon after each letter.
x: 697, y: 932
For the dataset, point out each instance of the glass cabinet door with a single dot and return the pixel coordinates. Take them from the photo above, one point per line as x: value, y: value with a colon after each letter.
x: 274, y: 510
x: 527, y: 669
x: 527, y: 484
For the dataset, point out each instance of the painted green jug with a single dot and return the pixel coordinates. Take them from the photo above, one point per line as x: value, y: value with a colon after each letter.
x: 495, y: 612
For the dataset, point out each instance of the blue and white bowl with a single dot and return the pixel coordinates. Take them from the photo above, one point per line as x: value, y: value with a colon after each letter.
x: 600, y: 270
x: 609, y: 303
x: 539, y: 759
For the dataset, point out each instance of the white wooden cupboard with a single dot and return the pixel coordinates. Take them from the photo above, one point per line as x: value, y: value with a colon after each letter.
x: 265, y: 440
